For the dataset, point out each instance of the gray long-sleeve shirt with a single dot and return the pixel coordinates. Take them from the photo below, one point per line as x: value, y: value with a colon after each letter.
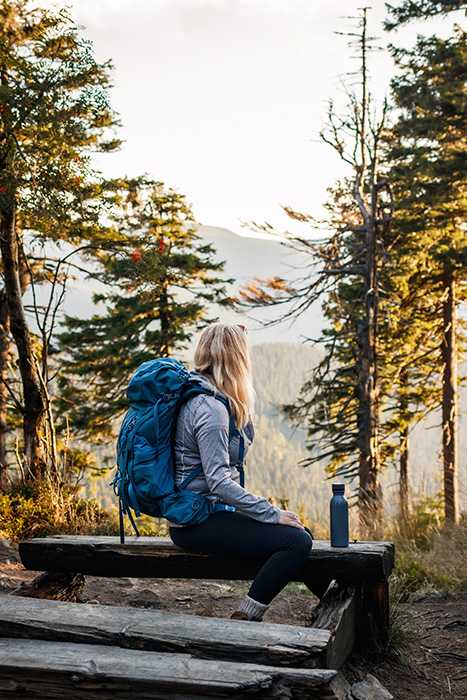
x: 202, y: 438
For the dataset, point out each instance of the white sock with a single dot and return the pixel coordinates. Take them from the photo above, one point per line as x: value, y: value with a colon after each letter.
x: 253, y: 608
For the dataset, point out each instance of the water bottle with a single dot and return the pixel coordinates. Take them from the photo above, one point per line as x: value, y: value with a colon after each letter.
x: 339, y: 509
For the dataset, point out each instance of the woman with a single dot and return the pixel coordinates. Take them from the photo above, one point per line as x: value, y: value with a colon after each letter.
x: 254, y: 528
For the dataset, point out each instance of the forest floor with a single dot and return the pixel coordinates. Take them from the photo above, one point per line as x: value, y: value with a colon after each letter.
x: 435, y: 663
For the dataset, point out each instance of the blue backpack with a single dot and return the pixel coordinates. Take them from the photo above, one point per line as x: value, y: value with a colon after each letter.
x: 145, y: 479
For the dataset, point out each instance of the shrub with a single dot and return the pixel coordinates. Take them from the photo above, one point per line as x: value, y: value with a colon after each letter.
x: 42, y: 508
x: 35, y: 510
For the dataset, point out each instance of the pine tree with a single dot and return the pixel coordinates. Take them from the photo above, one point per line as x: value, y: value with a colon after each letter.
x: 53, y: 114
x: 427, y: 158
x: 340, y: 403
x: 409, y: 10
x: 160, y: 279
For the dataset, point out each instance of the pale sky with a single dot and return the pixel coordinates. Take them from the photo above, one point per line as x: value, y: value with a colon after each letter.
x: 224, y: 99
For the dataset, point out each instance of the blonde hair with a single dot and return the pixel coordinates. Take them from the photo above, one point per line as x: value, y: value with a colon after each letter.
x: 222, y: 353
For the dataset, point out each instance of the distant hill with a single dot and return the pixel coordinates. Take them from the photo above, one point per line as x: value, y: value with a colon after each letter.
x: 248, y: 257
x: 245, y: 257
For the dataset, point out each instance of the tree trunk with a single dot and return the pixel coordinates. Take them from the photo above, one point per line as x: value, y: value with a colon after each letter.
x: 165, y: 325
x: 403, y: 451
x: 4, y: 358
x: 449, y: 400
x: 404, y: 475
x: 34, y: 406
x: 370, y: 501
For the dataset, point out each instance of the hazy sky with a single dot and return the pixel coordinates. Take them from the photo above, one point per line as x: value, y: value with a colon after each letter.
x: 224, y: 99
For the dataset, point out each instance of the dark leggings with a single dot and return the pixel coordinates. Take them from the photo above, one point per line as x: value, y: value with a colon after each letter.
x: 233, y: 533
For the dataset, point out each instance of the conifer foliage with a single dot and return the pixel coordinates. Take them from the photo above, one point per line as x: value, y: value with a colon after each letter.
x: 340, y: 405
x: 53, y: 113
x: 160, y: 277
x: 391, y: 276
x: 427, y: 155
x: 408, y: 10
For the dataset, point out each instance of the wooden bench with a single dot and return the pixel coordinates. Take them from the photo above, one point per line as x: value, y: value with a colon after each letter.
x: 353, y: 578
x: 51, y: 648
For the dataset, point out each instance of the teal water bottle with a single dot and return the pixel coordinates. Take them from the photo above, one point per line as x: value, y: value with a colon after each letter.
x: 339, y: 511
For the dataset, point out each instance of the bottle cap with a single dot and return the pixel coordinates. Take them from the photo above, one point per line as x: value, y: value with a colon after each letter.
x: 338, y: 488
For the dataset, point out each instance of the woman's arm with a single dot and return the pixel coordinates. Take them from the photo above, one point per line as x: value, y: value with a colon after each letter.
x: 211, y: 430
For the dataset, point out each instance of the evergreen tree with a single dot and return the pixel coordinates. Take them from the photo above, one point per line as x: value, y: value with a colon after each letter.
x: 340, y: 403
x: 160, y: 279
x: 409, y: 10
x: 427, y: 155
x: 53, y: 114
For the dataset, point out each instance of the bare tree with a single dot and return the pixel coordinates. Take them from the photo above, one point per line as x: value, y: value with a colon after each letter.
x: 365, y: 210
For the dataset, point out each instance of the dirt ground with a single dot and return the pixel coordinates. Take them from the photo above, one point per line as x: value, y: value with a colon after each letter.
x: 436, y: 663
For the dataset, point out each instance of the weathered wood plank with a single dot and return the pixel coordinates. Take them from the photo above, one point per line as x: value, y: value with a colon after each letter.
x: 37, y: 669
x: 337, y: 613
x: 203, y: 637
x: 157, y: 557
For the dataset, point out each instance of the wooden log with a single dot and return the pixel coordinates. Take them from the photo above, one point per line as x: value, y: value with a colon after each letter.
x: 53, y: 585
x: 373, y: 628
x: 157, y: 557
x: 203, y: 637
x: 337, y: 613
x: 38, y: 669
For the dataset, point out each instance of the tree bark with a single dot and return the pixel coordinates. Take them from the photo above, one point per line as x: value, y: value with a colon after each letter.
x: 337, y: 612
x: 403, y: 451
x: 4, y: 358
x: 51, y: 585
x: 34, y: 406
x: 369, y: 501
x: 450, y: 399
x: 165, y: 324
x: 369, y: 493
x: 404, y: 474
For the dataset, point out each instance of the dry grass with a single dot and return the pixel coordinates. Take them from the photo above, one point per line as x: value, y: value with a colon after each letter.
x: 431, y: 560
x: 440, y: 565
x: 43, y: 508
x: 35, y: 510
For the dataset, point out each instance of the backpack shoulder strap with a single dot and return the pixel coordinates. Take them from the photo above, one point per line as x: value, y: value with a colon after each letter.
x: 195, y: 389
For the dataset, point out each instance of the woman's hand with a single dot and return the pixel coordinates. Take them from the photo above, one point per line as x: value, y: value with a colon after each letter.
x: 288, y: 517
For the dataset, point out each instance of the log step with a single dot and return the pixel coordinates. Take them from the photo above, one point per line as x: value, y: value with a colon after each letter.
x: 39, y: 669
x: 203, y: 637
x: 158, y: 557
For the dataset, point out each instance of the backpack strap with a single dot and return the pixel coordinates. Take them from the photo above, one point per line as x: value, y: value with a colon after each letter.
x: 233, y: 430
x: 196, y: 471
x: 195, y: 390
x: 121, y: 524
x: 133, y: 524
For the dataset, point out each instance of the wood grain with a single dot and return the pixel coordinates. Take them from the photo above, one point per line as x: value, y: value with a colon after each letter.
x: 337, y: 613
x: 203, y: 637
x: 157, y: 557
x: 38, y: 669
